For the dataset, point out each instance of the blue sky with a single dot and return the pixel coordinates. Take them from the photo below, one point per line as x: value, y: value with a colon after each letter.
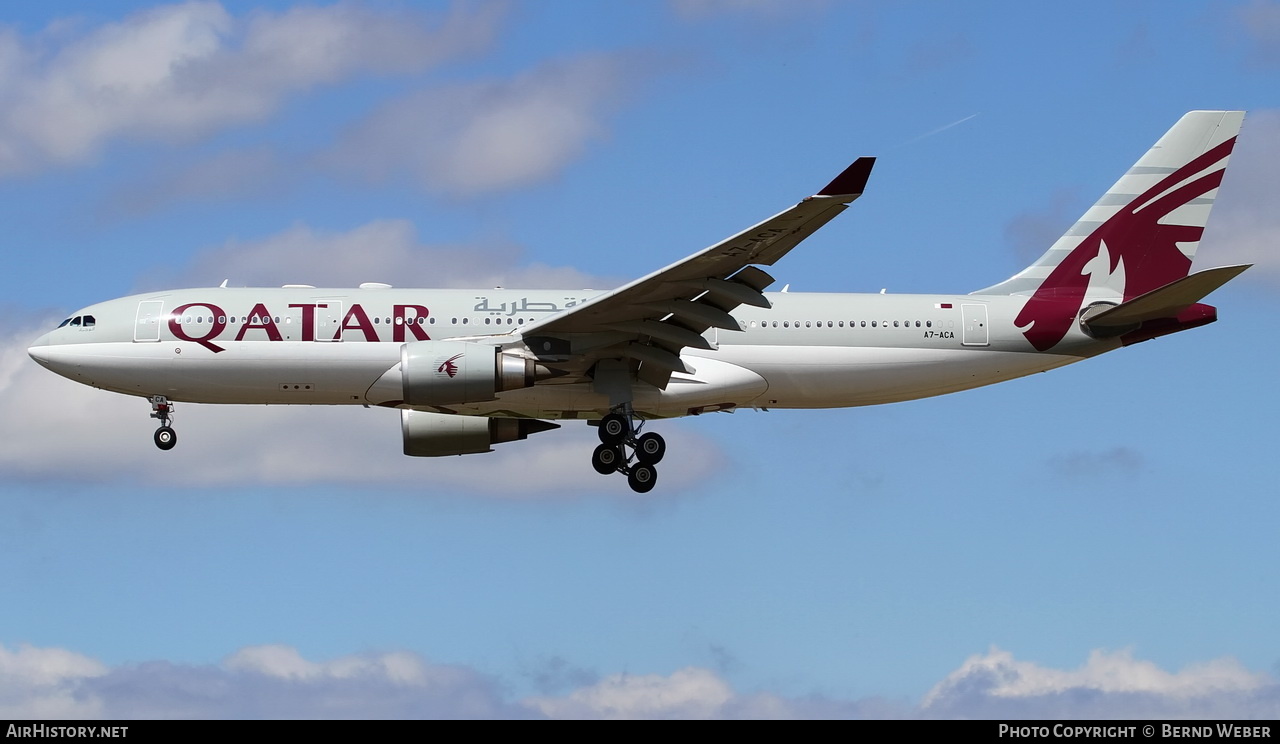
x: 1094, y: 541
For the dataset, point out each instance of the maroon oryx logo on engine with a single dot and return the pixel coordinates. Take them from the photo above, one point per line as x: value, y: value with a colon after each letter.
x: 448, y: 367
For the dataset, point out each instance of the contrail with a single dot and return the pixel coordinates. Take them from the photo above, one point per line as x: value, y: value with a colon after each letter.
x: 939, y: 130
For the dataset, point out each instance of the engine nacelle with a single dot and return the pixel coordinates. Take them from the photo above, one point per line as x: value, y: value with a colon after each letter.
x: 443, y: 373
x: 440, y: 434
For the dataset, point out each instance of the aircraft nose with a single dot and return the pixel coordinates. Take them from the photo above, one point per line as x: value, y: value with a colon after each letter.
x: 39, y: 350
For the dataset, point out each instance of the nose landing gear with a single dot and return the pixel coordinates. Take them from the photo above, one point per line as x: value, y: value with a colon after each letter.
x: 162, y: 410
x: 624, y: 450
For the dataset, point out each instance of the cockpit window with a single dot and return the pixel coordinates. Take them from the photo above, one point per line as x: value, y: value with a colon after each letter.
x: 75, y: 322
x: 90, y: 321
x: 68, y: 320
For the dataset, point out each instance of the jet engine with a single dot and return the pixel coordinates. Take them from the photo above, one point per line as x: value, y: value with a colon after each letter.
x: 442, y: 373
x: 439, y: 434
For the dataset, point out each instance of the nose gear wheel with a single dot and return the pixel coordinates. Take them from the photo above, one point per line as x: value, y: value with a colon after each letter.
x: 162, y: 410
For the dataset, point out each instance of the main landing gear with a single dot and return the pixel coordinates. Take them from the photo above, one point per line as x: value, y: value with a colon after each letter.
x: 623, y: 449
x: 162, y: 410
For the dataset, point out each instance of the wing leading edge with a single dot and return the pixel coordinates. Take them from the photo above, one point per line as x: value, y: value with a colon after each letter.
x: 648, y: 321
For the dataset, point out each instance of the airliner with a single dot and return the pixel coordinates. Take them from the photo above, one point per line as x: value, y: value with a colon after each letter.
x: 470, y: 369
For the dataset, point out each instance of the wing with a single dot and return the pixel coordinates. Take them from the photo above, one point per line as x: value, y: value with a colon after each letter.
x: 649, y: 320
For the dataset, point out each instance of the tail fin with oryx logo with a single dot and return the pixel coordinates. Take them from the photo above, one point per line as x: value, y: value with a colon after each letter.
x: 1126, y: 261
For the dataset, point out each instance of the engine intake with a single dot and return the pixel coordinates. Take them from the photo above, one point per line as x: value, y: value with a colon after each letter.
x: 440, y: 434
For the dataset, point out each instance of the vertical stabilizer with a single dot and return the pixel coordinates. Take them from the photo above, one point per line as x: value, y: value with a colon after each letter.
x: 1140, y: 236
x: 1142, y: 233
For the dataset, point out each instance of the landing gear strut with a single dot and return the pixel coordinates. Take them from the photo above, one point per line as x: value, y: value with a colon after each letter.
x: 623, y: 449
x: 162, y: 410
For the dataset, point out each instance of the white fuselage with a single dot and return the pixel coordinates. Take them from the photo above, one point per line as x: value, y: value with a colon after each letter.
x: 334, y: 346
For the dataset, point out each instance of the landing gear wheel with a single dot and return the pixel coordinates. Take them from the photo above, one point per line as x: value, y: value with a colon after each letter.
x: 650, y: 448
x: 166, y: 437
x: 607, y: 459
x: 614, y: 429
x: 642, y: 478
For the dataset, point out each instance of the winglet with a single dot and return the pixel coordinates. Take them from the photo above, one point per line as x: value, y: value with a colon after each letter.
x: 852, y: 181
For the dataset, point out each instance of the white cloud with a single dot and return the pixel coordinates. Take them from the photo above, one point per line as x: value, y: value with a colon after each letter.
x: 460, y: 140
x: 1006, y: 677
x: 1108, y: 685
x: 277, y: 681
x: 39, y: 682
x: 1260, y: 20
x: 1108, y: 464
x: 1030, y: 233
x: 46, y: 666
x: 180, y: 71
x: 1245, y: 225
x: 694, y: 9
x: 258, y: 682
x: 255, y: 172
x: 284, y: 662
x: 382, y: 250
x: 687, y: 693
x: 484, y: 136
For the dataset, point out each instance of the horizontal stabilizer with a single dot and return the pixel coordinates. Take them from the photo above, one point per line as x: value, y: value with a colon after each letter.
x: 1167, y: 301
